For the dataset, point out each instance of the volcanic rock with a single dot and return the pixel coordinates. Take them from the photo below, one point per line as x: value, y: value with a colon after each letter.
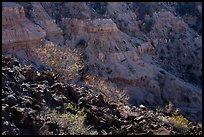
x: 11, y: 100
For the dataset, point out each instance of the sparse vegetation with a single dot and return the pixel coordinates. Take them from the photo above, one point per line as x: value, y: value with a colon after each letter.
x: 180, y: 121
x: 63, y: 60
x: 82, y: 43
x: 106, y: 88
x: 74, y: 123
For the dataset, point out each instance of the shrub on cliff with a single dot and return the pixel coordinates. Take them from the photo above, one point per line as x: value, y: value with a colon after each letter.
x: 63, y: 60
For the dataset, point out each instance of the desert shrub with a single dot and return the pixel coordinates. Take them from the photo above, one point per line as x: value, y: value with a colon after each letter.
x: 72, y: 123
x: 179, y: 121
x: 82, y: 43
x: 76, y: 109
x: 106, y: 88
x: 61, y: 59
x: 175, y: 118
x: 144, y: 8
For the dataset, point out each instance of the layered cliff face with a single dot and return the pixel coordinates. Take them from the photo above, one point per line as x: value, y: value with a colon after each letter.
x: 142, y: 48
x: 140, y: 19
x: 102, y: 43
x: 114, y: 57
x: 17, y: 30
x: 22, y: 35
x: 39, y: 16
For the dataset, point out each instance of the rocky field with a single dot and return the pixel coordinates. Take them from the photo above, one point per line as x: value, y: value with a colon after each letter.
x: 35, y: 102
